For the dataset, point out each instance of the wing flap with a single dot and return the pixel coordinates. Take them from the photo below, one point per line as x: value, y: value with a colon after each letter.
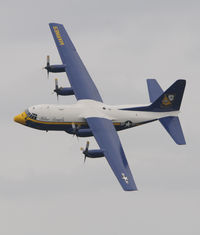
x: 109, y: 142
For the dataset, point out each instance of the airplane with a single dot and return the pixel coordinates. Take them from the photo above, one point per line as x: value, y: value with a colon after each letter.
x: 90, y: 116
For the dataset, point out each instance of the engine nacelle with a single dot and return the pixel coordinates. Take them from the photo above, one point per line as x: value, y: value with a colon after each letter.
x: 84, y: 133
x: 64, y: 91
x: 59, y: 68
x: 94, y: 153
x: 80, y: 132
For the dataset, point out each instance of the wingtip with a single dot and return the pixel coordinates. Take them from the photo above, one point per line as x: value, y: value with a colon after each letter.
x: 54, y: 23
x: 130, y: 189
x: 150, y: 79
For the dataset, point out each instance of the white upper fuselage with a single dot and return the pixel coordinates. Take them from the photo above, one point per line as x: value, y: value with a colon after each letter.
x: 90, y: 108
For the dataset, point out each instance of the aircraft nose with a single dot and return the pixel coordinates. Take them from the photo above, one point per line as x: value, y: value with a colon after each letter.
x: 21, y: 118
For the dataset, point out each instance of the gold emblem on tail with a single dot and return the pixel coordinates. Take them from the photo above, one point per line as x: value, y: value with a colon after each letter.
x: 167, y: 100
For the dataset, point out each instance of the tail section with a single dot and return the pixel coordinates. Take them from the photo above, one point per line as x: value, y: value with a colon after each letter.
x: 167, y: 101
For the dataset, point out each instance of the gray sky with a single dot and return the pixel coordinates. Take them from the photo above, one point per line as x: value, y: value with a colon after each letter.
x: 44, y: 186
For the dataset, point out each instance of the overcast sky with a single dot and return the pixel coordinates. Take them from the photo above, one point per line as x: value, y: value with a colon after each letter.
x: 44, y: 186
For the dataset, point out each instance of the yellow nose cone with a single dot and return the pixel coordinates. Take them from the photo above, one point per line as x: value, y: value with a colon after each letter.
x: 21, y: 118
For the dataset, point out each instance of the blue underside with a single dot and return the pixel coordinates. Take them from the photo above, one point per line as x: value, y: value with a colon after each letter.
x: 52, y: 127
x: 68, y: 127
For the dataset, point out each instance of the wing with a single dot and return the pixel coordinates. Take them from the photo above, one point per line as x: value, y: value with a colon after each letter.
x: 79, y: 78
x: 109, y: 142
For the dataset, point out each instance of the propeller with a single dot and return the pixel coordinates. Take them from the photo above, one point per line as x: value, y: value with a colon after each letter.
x: 56, y: 87
x: 47, y: 66
x: 75, y: 129
x: 85, y: 151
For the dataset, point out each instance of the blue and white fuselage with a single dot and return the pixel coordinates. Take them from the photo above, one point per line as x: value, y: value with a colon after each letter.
x: 66, y: 117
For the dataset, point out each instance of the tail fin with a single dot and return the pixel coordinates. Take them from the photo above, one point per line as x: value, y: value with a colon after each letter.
x: 170, y: 100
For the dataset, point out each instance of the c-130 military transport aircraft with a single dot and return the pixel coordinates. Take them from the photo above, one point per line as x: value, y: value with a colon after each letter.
x: 91, y: 117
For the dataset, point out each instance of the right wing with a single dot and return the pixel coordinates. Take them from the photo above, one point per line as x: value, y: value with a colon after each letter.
x: 79, y: 78
x: 109, y: 142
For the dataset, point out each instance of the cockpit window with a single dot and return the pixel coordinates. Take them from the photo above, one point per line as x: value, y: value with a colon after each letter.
x: 31, y: 115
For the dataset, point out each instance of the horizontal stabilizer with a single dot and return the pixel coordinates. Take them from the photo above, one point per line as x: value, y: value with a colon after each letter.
x: 173, y: 127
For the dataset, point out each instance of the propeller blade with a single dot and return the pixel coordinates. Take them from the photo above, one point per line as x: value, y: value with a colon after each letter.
x: 57, y: 97
x: 73, y: 126
x: 48, y: 60
x: 84, y: 151
x: 56, y: 83
x: 56, y: 88
x: 47, y: 66
x: 74, y: 129
x: 87, y: 146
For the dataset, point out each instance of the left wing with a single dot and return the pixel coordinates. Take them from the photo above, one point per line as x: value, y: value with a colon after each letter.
x: 109, y: 142
x: 79, y: 78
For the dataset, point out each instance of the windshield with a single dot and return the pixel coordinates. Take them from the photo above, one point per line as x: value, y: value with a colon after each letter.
x: 31, y: 115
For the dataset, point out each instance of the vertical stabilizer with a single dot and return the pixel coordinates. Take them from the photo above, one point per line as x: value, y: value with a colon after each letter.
x: 170, y: 100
